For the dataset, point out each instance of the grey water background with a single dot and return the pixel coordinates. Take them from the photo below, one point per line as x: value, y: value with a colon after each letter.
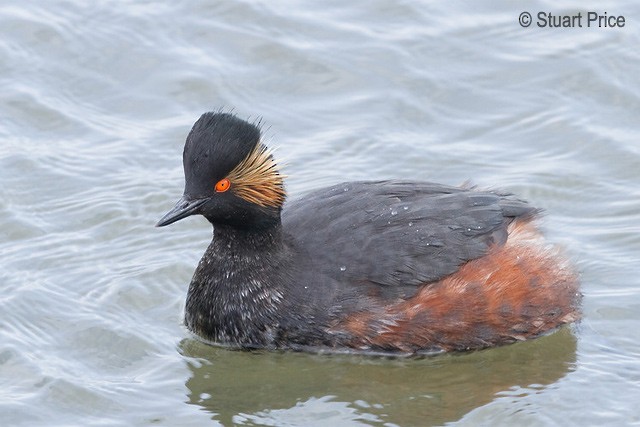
x: 97, y: 98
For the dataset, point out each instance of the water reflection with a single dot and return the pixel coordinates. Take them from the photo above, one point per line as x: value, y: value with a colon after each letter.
x: 256, y: 388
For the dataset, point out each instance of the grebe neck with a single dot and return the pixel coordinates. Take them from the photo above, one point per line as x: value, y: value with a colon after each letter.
x: 238, y: 288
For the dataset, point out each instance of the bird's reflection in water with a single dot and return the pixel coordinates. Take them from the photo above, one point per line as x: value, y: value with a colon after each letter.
x: 239, y: 387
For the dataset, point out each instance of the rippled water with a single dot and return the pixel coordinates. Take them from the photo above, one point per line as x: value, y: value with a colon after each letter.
x: 98, y: 97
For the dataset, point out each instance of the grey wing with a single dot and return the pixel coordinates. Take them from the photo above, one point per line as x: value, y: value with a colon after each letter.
x: 398, y: 233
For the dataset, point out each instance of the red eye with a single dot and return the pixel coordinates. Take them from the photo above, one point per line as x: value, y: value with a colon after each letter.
x: 223, y: 185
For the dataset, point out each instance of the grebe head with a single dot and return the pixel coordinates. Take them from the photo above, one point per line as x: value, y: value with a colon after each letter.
x: 231, y: 177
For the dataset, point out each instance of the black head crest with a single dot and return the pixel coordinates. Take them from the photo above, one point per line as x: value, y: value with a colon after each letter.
x: 217, y: 143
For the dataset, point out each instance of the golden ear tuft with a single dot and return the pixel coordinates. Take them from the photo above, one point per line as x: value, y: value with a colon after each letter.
x: 257, y: 180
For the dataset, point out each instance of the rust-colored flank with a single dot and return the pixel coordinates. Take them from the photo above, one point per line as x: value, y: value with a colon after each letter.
x: 517, y: 291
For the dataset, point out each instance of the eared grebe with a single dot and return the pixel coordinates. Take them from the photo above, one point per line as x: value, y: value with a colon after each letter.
x: 385, y: 266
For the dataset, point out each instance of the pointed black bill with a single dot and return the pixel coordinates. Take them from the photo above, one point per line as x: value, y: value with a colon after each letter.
x: 182, y: 209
